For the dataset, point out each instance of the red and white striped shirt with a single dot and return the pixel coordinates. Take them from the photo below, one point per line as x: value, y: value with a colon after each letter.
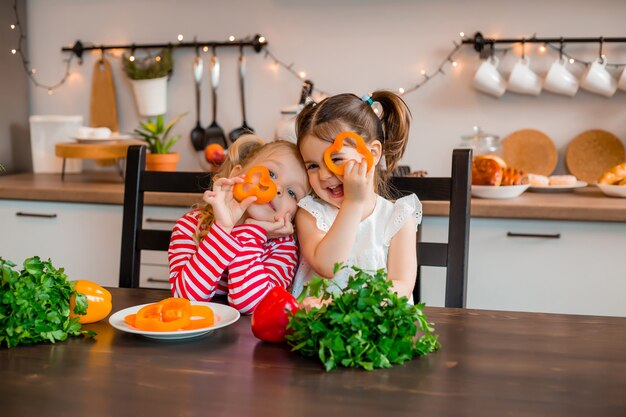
x: 243, y: 263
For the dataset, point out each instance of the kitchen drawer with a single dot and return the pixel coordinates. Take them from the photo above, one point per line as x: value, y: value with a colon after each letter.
x: 568, y: 267
x: 582, y: 271
x: 154, y: 276
x: 162, y: 218
x: 84, y: 239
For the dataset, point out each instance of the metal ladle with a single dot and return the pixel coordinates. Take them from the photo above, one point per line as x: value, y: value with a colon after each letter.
x: 244, y: 129
x: 214, y: 133
x: 197, y: 133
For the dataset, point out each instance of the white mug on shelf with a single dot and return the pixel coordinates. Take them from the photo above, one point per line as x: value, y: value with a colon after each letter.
x: 523, y: 80
x: 559, y: 80
x: 488, y: 79
x: 598, y: 80
x: 621, y: 83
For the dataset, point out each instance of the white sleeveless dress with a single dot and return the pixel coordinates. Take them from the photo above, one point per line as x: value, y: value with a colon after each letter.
x: 371, y: 245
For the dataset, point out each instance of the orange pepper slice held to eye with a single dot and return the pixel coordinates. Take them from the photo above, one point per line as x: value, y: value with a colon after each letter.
x: 361, y: 148
x: 257, y: 183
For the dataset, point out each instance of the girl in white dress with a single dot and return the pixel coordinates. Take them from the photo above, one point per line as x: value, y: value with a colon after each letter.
x: 349, y: 220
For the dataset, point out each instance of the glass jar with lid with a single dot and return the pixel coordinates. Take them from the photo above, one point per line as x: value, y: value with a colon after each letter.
x: 481, y: 143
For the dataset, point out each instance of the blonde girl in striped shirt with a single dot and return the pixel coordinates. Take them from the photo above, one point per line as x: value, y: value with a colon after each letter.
x: 237, y: 248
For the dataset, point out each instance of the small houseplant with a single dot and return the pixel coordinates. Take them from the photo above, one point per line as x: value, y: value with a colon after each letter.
x: 148, y: 77
x: 157, y: 135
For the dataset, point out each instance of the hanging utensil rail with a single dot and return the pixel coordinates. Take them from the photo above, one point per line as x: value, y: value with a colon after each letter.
x: 479, y: 41
x: 257, y: 43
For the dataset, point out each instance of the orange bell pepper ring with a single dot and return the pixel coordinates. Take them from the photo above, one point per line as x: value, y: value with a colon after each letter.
x: 257, y: 183
x: 171, y: 314
x: 361, y: 148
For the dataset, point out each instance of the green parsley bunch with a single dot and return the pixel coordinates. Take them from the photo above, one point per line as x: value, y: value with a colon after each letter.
x: 35, y: 304
x: 365, y: 325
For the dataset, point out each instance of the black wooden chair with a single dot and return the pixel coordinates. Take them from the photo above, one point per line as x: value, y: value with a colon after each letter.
x: 454, y: 254
x: 139, y: 181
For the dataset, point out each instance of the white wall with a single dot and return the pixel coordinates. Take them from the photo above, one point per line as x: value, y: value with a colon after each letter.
x: 344, y: 46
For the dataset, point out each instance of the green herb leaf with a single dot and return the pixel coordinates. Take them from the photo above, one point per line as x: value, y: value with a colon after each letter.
x: 35, y: 304
x: 365, y: 326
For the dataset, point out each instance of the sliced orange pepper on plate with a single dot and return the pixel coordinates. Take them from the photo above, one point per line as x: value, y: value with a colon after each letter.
x: 256, y: 183
x: 171, y: 314
x: 361, y: 148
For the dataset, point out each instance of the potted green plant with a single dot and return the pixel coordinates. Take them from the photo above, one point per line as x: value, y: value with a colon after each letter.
x: 148, y: 77
x: 157, y: 135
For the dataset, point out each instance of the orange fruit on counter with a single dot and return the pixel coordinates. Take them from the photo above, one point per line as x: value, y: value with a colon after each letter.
x: 214, y: 153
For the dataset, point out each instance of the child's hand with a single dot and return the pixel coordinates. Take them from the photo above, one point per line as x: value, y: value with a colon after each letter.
x: 282, y: 227
x: 226, y: 210
x: 357, y: 182
x: 314, y: 302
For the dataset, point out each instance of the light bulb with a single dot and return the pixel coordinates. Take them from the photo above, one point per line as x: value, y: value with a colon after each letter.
x: 231, y: 38
x: 462, y: 34
x: 157, y: 58
x: 542, y: 48
x: 180, y: 38
x: 13, y: 51
x: 262, y: 39
x: 12, y: 27
x: 401, y: 90
x: 131, y: 58
x: 302, y: 75
x: 423, y: 72
x: 571, y: 60
x: 205, y: 49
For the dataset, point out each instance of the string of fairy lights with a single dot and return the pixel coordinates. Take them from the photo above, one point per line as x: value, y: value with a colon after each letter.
x: 426, y: 76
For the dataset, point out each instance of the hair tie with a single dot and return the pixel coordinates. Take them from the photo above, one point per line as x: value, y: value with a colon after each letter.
x: 367, y: 99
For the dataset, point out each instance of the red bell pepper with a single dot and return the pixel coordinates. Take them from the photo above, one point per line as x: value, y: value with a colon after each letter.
x: 271, y: 316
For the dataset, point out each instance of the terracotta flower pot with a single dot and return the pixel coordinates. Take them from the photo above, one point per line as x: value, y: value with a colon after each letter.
x: 162, y: 162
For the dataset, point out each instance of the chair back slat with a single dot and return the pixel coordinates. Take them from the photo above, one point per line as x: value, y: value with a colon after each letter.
x: 453, y: 255
x: 137, y: 182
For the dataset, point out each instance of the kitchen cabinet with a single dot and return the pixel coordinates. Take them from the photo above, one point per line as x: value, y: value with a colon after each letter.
x: 84, y: 239
x: 569, y: 267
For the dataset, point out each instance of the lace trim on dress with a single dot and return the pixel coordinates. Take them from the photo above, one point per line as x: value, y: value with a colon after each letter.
x: 402, y: 209
x: 316, y: 209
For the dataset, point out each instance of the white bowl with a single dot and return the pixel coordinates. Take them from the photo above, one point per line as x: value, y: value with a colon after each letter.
x: 613, y: 190
x: 500, y: 192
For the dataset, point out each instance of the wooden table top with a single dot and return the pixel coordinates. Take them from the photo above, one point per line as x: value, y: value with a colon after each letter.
x: 491, y: 364
x: 587, y: 204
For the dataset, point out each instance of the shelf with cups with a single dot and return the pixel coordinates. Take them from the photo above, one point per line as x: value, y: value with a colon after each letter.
x: 559, y: 79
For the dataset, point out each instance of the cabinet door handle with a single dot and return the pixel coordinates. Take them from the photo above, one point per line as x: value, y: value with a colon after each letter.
x: 45, y: 216
x: 536, y: 235
x: 151, y: 220
x: 158, y: 280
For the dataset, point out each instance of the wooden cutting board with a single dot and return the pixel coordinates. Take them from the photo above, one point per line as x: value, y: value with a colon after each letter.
x: 530, y: 150
x: 103, y: 106
x: 592, y: 153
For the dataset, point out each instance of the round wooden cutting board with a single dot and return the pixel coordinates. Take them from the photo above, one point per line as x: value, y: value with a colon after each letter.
x: 592, y: 153
x: 530, y: 150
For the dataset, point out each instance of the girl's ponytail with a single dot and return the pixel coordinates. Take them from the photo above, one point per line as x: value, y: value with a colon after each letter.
x: 396, y: 120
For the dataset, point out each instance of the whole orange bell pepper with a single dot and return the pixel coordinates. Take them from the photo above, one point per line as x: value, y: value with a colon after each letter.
x: 257, y: 183
x: 361, y: 148
x: 98, y: 302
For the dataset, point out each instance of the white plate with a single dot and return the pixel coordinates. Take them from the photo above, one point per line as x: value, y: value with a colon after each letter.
x: 558, y: 188
x: 498, y: 193
x: 613, y: 190
x: 113, y: 137
x: 224, y: 316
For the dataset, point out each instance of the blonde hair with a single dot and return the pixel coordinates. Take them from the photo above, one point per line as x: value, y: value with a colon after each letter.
x: 343, y: 112
x: 245, y: 151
